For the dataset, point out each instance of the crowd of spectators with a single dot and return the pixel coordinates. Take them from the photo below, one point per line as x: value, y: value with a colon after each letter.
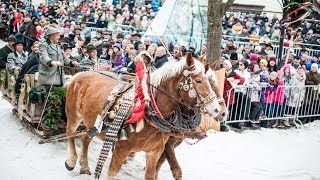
x: 31, y: 21
x: 256, y: 28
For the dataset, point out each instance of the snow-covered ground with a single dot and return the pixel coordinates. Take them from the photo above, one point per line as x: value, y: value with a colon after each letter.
x: 264, y: 154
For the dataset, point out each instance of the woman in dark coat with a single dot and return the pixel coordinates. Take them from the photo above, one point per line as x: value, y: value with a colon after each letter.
x: 30, y: 67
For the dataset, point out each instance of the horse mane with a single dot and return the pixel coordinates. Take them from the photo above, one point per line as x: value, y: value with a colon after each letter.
x: 171, y: 69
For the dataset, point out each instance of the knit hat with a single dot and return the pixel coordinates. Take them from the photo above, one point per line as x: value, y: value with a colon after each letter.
x: 286, y: 66
x: 254, y: 57
x: 280, y: 73
x: 226, y: 56
x: 272, y: 58
x: 263, y: 61
x: 234, y: 56
x: 314, y: 65
x: 228, y: 63
x: 274, y: 74
x: 51, y: 30
x: 117, y: 45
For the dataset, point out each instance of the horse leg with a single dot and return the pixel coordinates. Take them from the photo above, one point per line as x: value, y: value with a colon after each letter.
x: 84, y: 156
x: 171, y: 157
x: 71, y: 128
x: 152, y: 159
x: 120, y: 153
x: 162, y: 159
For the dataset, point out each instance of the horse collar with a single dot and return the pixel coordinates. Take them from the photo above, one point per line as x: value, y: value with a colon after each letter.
x: 177, y: 122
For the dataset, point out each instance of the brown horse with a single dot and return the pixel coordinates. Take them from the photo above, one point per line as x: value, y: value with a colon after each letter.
x: 206, y: 124
x: 88, y: 91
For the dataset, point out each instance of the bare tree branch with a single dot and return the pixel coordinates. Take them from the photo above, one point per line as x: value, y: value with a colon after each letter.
x: 226, y: 6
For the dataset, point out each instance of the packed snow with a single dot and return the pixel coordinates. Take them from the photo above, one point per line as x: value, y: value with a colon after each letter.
x: 261, y: 154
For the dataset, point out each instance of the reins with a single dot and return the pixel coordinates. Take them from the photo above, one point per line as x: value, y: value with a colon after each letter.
x: 175, y: 99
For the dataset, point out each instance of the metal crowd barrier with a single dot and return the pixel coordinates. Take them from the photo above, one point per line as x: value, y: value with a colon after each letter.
x: 298, y: 103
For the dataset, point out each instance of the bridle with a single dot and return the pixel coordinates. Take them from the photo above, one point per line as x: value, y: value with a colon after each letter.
x: 216, y: 90
x: 187, y: 84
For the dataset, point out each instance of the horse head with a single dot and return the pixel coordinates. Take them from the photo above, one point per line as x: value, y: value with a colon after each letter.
x: 184, y: 83
x: 213, y: 80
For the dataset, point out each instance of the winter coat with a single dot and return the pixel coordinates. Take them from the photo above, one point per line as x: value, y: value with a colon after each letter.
x: 264, y: 79
x: 49, y: 74
x: 3, y: 56
x: 254, y: 91
x: 312, y: 78
x: 246, y: 75
x: 131, y: 66
x: 297, y: 91
x: 160, y: 61
x: 279, y: 94
x: 88, y: 63
x: 155, y: 5
x: 228, y: 91
x: 15, y: 60
x: 312, y: 92
x: 270, y: 92
x: 287, y: 84
x: 118, y: 62
x: 30, y: 67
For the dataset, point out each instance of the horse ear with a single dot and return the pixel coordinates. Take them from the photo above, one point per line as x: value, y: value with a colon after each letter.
x: 189, y: 60
x: 206, y: 67
x: 214, y: 66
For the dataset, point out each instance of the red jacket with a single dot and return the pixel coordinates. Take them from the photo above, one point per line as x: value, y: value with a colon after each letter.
x: 228, y: 92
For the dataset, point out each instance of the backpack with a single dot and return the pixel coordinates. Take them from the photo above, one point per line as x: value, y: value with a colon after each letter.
x: 37, y: 94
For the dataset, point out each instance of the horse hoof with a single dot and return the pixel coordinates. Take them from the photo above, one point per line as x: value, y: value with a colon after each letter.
x: 85, y: 171
x: 68, y: 167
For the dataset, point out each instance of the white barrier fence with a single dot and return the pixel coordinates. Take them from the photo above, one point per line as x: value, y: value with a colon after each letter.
x: 268, y: 104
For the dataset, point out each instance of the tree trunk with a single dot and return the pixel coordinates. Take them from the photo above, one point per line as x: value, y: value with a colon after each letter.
x: 216, y: 10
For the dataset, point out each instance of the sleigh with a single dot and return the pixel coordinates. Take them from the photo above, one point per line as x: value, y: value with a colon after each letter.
x: 28, y: 111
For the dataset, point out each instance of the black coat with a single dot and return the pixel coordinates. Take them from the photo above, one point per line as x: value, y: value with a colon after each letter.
x: 30, y: 67
x: 136, y: 45
x: 160, y: 61
x: 3, y: 56
x: 131, y: 66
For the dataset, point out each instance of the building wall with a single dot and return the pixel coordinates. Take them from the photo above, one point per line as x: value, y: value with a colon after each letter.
x: 38, y: 2
x: 270, y: 6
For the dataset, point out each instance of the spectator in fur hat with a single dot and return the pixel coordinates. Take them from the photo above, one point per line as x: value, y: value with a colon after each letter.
x: 234, y: 60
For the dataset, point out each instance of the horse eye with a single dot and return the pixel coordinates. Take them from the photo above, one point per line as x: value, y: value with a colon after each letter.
x: 198, y: 81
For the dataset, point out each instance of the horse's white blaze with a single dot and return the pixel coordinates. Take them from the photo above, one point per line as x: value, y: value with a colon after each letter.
x: 212, y: 108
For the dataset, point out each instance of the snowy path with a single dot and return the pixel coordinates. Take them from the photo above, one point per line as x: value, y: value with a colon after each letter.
x: 266, y: 154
